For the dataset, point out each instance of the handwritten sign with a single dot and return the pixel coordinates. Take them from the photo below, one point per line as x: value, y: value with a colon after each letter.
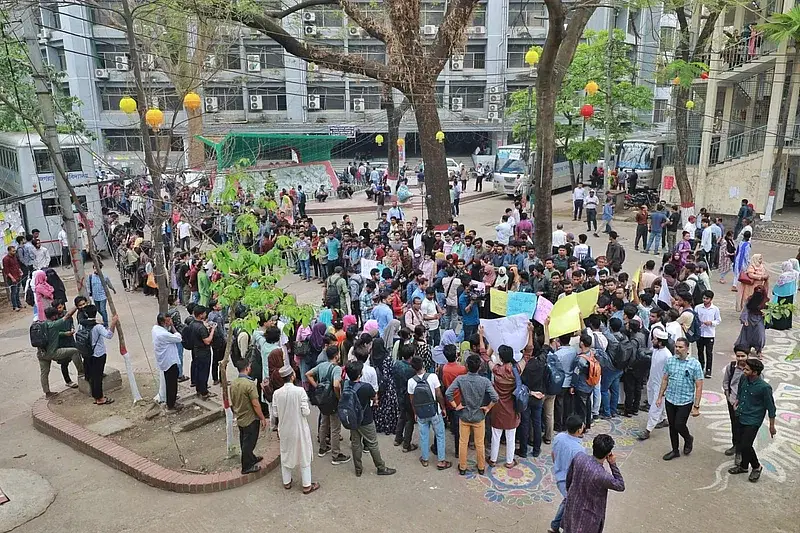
x: 511, y: 331
x: 368, y: 264
x: 543, y: 308
x: 565, y: 316
x: 587, y: 300
x: 498, y: 302
x: 521, y: 303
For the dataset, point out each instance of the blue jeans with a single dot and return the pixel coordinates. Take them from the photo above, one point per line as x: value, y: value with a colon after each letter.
x: 305, y: 268
x: 194, y: 297
x: 562, y: 488
x: 15, y: 303
x: 101, y: 308
x: 180, y: 359
x: 596, y: 395
x: 436, y: 424
x: 654, y: 239
x: 609, y: 391
x: 531, y: 420
x: 470, y: 330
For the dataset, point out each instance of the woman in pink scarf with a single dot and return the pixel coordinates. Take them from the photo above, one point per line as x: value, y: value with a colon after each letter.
x: 349, y: 320
x: 42, y: 293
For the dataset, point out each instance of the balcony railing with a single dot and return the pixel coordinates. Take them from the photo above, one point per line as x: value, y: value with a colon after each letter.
x: 737, y: 146
x: 743, y: 50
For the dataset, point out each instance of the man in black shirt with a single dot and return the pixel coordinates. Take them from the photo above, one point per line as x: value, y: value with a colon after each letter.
x: 365, y: 233
x: 366, y: 435
x: 201, y: 335
x: 533, y: 378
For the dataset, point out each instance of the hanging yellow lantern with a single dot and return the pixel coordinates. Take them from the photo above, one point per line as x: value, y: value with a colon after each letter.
x: 531, y: 57
x: 379, y: 139
x: 591, y: 88
x: 440, y: 136
x: 192, y: 101
x: 689, y: 104
x: 154, y: 118
x: 401, y: 142
x: 127, y: 105
x: 676, y: 80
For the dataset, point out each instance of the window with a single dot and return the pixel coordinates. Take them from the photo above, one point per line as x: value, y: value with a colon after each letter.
x: 272, y: 98
x: 52, y: 208
x: 110, y: 97
x: 123, y: 140
x: 440, y: 94
x: 8, y: 159
x: 108, y: 14
x: 166, y: 100
x: 659, y: 111
x: 51, y: 15
x: 228, y: 59
x: 516, y: 55
x: 330, y: 98
x: 527, y: 15
x: 431, y: 14
x: 371, y: 96
x: 371, y: 52
x: 107, y: 53
x: 163, y: 139
x: 473, y: 95
x: 666, y: 41
x: 228, y: 98
x: 71, y: 156
x: 328, y: 17
x: 475, y: 56
x: 479, y: 16
x: 270, y: 56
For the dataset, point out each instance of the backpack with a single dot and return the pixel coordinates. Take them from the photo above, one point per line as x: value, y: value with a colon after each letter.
x: 324, y: 396
x: 38, y: 334
x: 697, y: 293
x: 332, y: 296
x: 521, y: 392
x: 423, y: 399
x: 593, y: 372
x: 693, y: 333
x: 350, y: 410
x: 29, y: 299
x: 236, y: 352
x: 601, y: 355
x: 83, y: 341
x: 554, y: 375
x: 624, y: 355
x: 187, y: 340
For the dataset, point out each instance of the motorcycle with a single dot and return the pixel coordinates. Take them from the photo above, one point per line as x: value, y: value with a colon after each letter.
x: 648, y: 197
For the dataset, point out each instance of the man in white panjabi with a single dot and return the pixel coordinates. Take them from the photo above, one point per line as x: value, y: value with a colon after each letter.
x: 291, y: 406
x: 656, y: 419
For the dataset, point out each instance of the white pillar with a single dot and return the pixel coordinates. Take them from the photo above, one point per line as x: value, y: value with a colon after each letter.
x: 727, y: 109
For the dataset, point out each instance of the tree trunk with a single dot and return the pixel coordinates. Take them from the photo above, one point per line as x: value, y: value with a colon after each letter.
x: 543, y: 187
x: 572, y: 179
x: 196, y: 148
x: 682, y: 149
x: 393, y: 117
x: 433, y: 155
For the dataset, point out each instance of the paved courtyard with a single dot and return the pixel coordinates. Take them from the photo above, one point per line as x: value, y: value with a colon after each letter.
x: 692, y: 493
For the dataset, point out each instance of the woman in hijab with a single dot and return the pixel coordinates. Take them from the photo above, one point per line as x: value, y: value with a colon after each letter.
x: 727, y: 253
x: 753, y: 334
x: 390, y: 332
x: 59, y: 291
x: 326, y: 317
x: 316, y: 342
x: 783, y: 293
x: 42, y: 294
x: 489, y: 275
x: 448, y: 337
x: 275, y: 382
x: 501, y: 282
x: 422, y: 349
x: 387, y: 412
x: 349, y: 320
x: 740, y: 262
x: 759, y: 277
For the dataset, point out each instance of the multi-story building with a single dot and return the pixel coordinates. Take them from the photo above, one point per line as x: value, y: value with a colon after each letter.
x: 253, y: 85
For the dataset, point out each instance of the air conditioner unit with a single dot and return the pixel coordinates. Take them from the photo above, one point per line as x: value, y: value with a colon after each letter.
x: 313, y: 67
x: 429, y: 29
x: 148, y: 61
x: 494, y: 89
x: 494, y: 98
x: 456, y: 103
x: 308, y: 16
x: 494, y: 108
x: 314, y: 102
x: 358, y: 105
x: 311, y: 30
x: 154, y: 102
x: 478, y: 30
x: 212, y: 104
x: 101, y: 73
x: 254, y: 34
x: 352, y: 31
x: 253, y: 63
x: 493, y: 115
x: 44, y: 35
x: 456, y: 64
x: 210, y: 62
x: 256, y: 102
x: 121, y: 63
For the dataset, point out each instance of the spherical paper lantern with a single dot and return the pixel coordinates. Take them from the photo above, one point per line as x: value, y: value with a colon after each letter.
x: 689, y: 104
x: 127, y: 105
x: 591, y: 88
x: 379, y: 139
x: 704, y: 75
x: 440, y: 136
x: 192, y: 101
x: 531, y: 57
x: 154, y: 118
x: 587, y: 111
x: 676, y: 81
x: 401, y: 142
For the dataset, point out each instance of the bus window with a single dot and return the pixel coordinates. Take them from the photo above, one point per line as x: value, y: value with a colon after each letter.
x: 658, y: 162
x: 72, y: 160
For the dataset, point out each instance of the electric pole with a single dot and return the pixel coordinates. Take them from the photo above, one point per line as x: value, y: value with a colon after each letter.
x: 610, y: 23
x: 528, y: 158
x: 45, y: 101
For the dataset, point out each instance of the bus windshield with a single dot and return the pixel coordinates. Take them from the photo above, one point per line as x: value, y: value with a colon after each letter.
x: 510, y: 160
x: 636, y: 155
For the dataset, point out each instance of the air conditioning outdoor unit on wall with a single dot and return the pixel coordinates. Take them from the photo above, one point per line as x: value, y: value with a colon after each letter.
x: 429, y: 29
x: 101, y: 73
x: 308, y: 16
x: 148, y: 61
x: 210, y: 62
x: 493, y: 116
x: 256, y: 102
x: 212, y: 104
x: 310, y: 30
x: 314, y: 102
x: 457, y: 63
x: 121, y: 63
x: 494, y: 108
x: 359, y: 105
x: 456, y: 103
x: 253, y: 63
x: 352, y: 31
x: 495, y: 98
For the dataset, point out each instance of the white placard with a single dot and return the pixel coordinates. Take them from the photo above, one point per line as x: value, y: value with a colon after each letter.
x: 511, y: 331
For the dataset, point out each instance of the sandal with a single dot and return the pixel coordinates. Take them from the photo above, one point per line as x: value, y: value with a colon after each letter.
x: 491, y: 463
x: 462, y: 472
x: 411, y: 448
x: 287, y: 486
x: 444, y: 465
x: 311, y: 488
x: 423, y: 462
x: 108, y: 401
x: 512, y: 464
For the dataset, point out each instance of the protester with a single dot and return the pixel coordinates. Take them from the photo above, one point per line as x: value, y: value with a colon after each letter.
x: 682, y: 386
x: 249, y: 417
x: 166, y: 343
x: 292, y: 408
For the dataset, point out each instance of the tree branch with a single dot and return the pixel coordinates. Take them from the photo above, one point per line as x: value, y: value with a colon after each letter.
x: 705, y: 34
x: 299, y: 7
x: 451, y: 32
x: 370, y: 24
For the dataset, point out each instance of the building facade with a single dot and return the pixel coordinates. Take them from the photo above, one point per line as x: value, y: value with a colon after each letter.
x: 251, y: 84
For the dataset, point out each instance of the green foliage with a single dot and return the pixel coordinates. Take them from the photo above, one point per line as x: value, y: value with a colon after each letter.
x: 777, y: 311
x: 782, y: 26
x: 588, y: 150
x: 686, y: 72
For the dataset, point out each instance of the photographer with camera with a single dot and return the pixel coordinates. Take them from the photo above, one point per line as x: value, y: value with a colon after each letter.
x: 468, y: 306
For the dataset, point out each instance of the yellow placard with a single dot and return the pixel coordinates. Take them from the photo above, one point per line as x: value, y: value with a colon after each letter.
x: 565, y: 316
x: 498, y: 301
x: 2, y: 216
x: 636, y: 276
x: 587, y: 300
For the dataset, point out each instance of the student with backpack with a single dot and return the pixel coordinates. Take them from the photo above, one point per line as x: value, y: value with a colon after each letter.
x: 505, y: 415
x: 585, y: 375
x: 325, y: 380
x: 90, y: 341
x: 46, y: 336
x: 709, y: 318
x: 355, y: 413
x: 425, y: 395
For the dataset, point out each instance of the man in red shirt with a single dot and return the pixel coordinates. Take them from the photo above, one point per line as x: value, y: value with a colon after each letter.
x: 13, y: 275
x: 450, y: 372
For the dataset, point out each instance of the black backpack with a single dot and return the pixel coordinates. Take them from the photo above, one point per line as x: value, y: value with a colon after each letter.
x: 83, y: 341
x: 38, y: 335
x: 332, y: 295
x: 624, y: 355
x: 697, y: 293
x: 29, y: 299
x: 324, y: 396
x: 350, y: 410
x: 236, y: 353
x: 424, y: 400
x: 187, y: 337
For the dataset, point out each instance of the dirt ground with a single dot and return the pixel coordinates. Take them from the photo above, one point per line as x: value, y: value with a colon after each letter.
x: 153, y: 439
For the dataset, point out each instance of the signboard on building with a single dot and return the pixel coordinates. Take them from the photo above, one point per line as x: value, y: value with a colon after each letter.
x: 347, y: 131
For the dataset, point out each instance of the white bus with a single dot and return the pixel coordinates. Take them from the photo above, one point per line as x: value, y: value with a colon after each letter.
x: 511, y: 169
x: 645, y: 156
x: 27, y: 182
